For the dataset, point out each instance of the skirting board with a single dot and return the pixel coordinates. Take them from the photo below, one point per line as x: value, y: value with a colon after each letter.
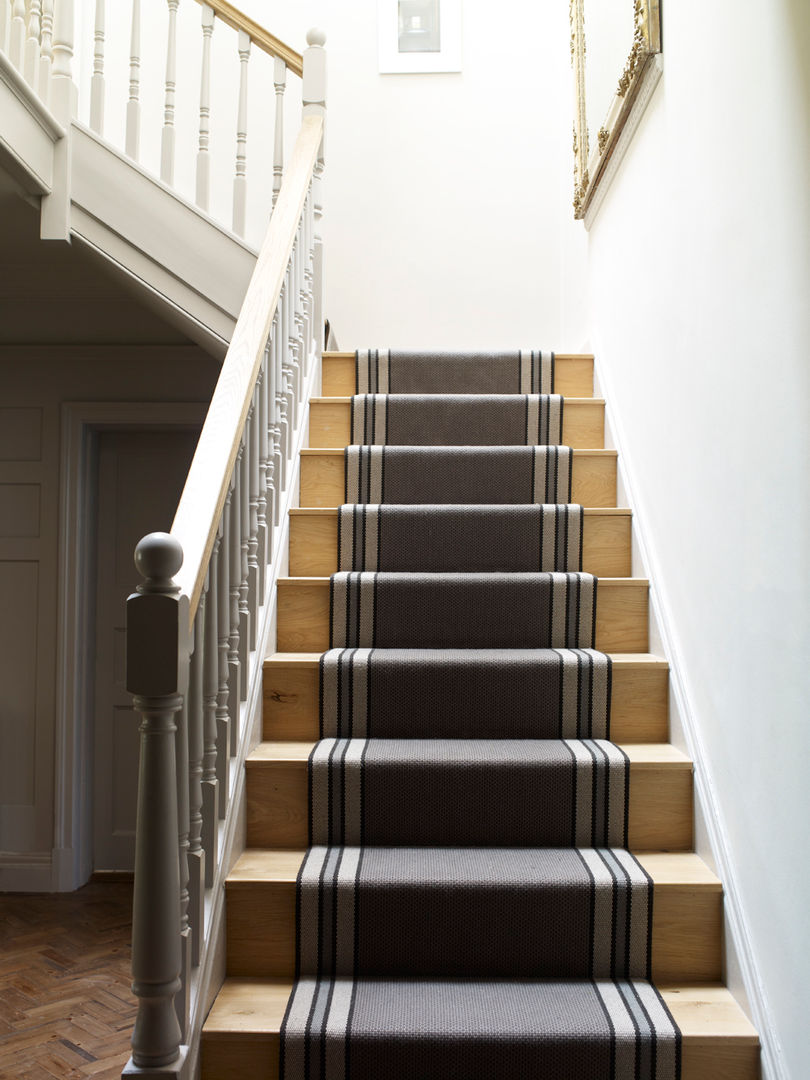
x: 29, y: 872
x: 710, y: 829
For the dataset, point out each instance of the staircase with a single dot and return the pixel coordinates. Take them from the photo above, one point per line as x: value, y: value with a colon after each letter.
x: 241, y: 1037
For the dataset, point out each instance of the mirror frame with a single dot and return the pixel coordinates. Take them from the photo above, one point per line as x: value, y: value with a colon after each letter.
x: 590, y: 164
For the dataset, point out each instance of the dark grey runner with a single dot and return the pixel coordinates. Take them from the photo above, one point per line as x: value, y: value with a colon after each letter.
x: 457, y: 419
x: 450, y: 538
x: 458, y: 474
x: 454, y: 1029
x: 389, y: 371
x: 465, y: 693
x: 468, y: 792
x: 594, y: 907
x: 472, y: 611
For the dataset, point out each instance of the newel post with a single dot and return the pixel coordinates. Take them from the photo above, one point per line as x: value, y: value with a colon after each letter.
x: 157, y: 673
x: 314, y: 97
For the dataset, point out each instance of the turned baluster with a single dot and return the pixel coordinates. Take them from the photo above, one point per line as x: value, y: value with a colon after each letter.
x: 195, y: 853
x: 280, y: 84
x: 235, y: 573
x: 210, y: 786
x: 16, y: 46
x: 299, y: 256
x: 157, y: 670
x: 31, y: 62
x: 254, y: 574
x: 240, y: 179
x: 97, y: 81
x: 274, y: 472
x: 167, y: 139
x: 203, y: 154
x: 314, y: 98
x: 46, y: 51
x: 133, y: 132
x: 244, y: 569
x: 224, y: 637
x: 282, y: 421
x: 308, y: 253
x: 263, y: 529
x: 289, y: 361
x: 182, y: 999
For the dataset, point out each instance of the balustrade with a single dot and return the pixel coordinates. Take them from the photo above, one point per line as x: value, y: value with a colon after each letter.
x: 199, y: 624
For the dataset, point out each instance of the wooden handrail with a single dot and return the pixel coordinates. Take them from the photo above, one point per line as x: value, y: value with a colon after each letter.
x: 201, y: 504
x: 266, y: 41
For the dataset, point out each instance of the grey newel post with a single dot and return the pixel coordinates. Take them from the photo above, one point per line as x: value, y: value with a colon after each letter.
x: 157, y: 671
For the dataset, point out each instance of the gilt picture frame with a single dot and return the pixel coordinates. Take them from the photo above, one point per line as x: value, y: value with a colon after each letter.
x: 616, y: 66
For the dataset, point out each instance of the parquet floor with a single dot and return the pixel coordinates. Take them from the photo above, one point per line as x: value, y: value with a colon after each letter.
x: 66, y: 1009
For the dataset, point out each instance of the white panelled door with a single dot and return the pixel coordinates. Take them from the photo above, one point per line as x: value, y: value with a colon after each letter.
x: 140, y: 478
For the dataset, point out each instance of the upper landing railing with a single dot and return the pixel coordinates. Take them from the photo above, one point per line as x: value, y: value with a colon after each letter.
x: 38, y: 38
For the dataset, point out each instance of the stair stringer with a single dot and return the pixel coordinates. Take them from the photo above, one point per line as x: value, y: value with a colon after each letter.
x: 209, y: 976
x: 710, y: 835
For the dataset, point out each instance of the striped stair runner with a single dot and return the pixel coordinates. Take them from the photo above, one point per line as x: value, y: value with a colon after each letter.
x: 468, y: 907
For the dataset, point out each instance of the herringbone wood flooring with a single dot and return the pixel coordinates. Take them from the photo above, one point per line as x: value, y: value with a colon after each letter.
x: 66, y: 1008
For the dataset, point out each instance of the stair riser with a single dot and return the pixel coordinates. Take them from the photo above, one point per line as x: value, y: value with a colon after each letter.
x: 593, y: 478
x: 638, y: 709
x: 686, y: 931
x: 583, y: 423
x: 573, y: 375
x: 303, y: 616
x: 605, y: 545
x: 236, y: 1057
x: 660, y: 814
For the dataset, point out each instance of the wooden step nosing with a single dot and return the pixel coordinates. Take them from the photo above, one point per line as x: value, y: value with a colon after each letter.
x: 628, y: 661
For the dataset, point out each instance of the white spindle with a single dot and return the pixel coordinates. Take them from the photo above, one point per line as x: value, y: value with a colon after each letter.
x: 280, y: 83
x: 210, y: 797
x: 46, y: 51
x: 97, y: 82
x: 167, y: 140
x: 244, y: 564
x: 235, y: 572
x: 224, y: 631
x: 196, y: 854
x: 31, y: 63
x: 203, y: 155
x: 133, y: 136
x: 16, y: 48
x: 5, y: 24
x: 254, y: 570
x: 240, y: 179
x: 63, y: 89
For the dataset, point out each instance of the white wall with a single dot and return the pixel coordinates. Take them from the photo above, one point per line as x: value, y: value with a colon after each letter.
x: 445, y: 193
x: 698, y: 273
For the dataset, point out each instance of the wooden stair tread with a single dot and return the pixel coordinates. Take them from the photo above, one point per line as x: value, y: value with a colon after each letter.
x: 589, y: 511
x: 668, y: 869
x: 638, y: 661
x: 582, y: 425
x: 641, y: 755
x: 341, y: 354
x: 621, y: 614
x: 333, y: 451
x: 704, y: 1012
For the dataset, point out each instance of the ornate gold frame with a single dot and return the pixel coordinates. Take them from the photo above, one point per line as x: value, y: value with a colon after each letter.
x: 590, y: 162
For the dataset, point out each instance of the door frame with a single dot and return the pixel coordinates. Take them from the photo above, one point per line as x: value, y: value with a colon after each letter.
x: 82, y: 422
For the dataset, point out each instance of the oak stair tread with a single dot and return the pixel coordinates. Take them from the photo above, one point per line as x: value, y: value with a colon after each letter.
x: 670, y: 869
x: 719, y: 1042
x: 641, y: 755
x: 312, y: 659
